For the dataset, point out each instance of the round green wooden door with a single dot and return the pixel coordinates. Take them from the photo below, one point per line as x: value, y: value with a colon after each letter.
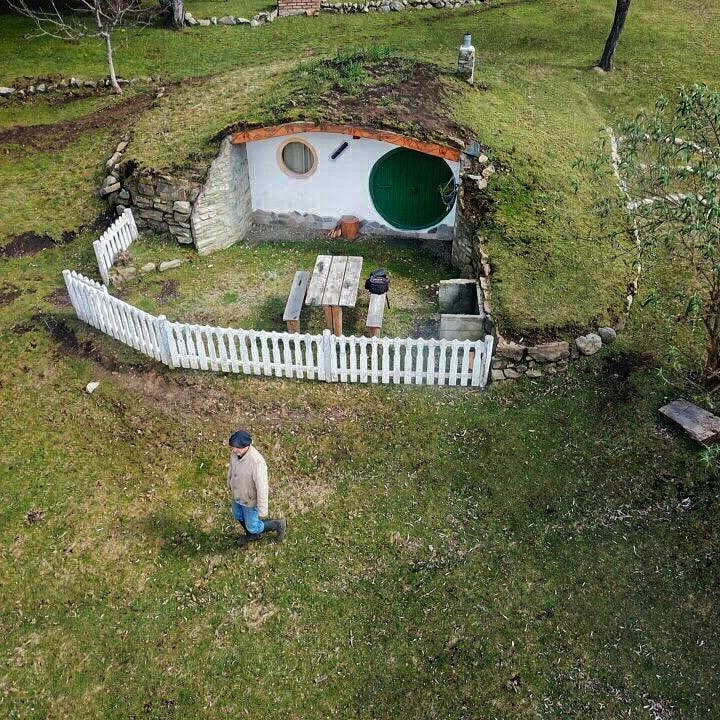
x: 405, y: 188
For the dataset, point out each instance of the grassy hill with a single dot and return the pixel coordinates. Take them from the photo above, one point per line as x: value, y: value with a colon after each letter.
x: 539, y: 550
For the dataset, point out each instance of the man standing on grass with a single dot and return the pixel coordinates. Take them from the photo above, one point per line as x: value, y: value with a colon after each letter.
x: 248, y: 482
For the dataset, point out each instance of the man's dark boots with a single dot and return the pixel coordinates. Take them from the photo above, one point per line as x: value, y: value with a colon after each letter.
x: 279, y: 526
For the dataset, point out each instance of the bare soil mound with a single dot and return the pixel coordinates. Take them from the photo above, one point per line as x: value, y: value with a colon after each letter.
x: 391, y: 93
x: 8, y: 293
x: 60, y: 135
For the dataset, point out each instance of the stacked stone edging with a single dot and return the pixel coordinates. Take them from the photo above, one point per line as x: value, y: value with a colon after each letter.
x: 262, y: 18
x: 395, y: 5
x: 112, y: 184
x: 120, y: 273
x: 38, y: 86
x: 513, y: 360
x: 342, y: 8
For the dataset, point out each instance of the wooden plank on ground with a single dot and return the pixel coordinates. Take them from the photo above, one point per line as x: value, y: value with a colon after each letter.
x: 318, y: 280
x: 351, y: 281
x: 334, y: 283
x: 700, y: 424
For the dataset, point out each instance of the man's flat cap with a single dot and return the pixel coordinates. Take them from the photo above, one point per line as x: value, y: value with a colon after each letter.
x: 240, y: 439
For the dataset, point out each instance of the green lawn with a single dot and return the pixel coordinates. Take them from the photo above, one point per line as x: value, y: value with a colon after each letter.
x: 538, y: 550
x: 209, y: 290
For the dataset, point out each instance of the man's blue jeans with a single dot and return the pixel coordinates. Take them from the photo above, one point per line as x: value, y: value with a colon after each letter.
x: 248, y: 516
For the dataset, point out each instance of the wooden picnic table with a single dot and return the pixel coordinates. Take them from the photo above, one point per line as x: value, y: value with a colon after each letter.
x: 334, y: 285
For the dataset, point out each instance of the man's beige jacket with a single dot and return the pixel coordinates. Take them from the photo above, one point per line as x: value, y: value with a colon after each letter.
x: 248, y: 480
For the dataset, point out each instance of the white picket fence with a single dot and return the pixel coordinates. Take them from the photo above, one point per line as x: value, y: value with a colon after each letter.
x: 117, y: 238
x: 325, y: 357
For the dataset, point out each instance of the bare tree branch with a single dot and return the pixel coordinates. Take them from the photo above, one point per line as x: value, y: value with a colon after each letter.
x: 107, y: 15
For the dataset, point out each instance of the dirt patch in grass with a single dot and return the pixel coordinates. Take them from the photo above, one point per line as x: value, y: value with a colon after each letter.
x: 69, y: 344
x: 60, y: 135
x: 620, y: 366
x: 26, y: 244
x: 615, y: 375
x: 168, y: 292
x: 34, y: 516
x: 59, y: 298
x: 178, y: 394
x: 30, y: 243
x: 9, y: 293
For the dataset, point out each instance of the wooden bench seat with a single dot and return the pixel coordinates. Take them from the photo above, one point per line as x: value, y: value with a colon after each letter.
x: 376, y: 310
x: 295, y: 300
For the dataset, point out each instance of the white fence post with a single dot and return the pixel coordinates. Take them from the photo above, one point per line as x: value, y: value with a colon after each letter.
x: 487, y: 358
x: 162, y: 330
x: 328, y: 347
x: 102, y: 265
x: 116, y: 239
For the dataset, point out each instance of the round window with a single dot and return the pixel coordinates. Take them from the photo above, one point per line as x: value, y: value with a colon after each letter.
x: 298, y: 158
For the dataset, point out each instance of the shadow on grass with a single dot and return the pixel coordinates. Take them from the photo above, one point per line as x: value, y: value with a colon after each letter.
x: 269, y: 314
x: 184, y: 537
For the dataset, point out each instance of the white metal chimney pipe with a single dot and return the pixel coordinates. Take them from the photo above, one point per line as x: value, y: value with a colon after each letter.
x: 466, y: 59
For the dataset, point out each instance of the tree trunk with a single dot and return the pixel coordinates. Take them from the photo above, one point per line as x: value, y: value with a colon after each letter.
x: 712, y: 347
x: 621, y: 11
x: 178, y: 14
x: 111, y: 63
x: 173, y: 11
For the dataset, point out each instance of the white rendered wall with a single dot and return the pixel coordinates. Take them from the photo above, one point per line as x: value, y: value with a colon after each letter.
x: 337, y: 187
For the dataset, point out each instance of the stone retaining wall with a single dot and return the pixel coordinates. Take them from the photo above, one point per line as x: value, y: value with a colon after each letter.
x: 222, y: 214
x: 161, y: 202
x: 512, y: 360
x: 395, y: 5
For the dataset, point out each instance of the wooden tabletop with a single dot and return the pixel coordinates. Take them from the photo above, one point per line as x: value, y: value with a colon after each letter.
x: 334, y: 281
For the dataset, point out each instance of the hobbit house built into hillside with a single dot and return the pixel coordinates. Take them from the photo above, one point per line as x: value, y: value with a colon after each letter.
x: 310, y: 175
x: 293, y: 180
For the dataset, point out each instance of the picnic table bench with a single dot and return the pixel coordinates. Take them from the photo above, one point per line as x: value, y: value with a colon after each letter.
x: 295, y: 300
x: 376, y: 310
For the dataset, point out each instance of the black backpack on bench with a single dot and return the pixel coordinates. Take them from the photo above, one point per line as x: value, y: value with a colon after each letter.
x: 378, y: 283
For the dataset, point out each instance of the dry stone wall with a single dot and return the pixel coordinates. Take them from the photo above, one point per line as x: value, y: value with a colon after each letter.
x: 161, y: 202
x: 40, y: 86
x: 394, y: 5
